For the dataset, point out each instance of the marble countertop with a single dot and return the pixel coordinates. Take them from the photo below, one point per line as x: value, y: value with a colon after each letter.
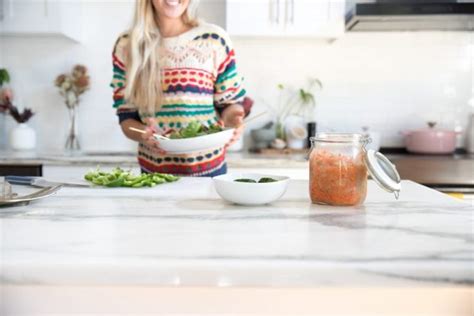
x: 182, y: 234
x: 234, y: 159
x: 445, y: 171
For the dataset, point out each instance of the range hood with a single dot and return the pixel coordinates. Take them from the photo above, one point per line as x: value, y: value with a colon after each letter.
x: 412, y: 15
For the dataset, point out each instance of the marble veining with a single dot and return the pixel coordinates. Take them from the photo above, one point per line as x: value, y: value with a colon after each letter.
x: 184, y: 234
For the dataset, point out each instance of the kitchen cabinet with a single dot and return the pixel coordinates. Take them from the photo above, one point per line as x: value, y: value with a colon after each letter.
x: 291, y: 18
x: 257, y: 17
x: 41, y: 17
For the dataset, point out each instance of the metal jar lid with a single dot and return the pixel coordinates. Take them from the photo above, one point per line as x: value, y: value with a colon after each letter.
x: 383, y: 172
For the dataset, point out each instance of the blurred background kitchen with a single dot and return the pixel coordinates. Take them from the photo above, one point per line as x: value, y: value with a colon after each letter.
x: 383, y: 74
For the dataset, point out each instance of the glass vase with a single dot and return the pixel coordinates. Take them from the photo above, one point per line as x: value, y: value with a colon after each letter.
x: 280, y: 130
x: 72, y: 142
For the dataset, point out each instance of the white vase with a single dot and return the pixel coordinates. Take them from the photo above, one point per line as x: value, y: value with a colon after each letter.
x: 296, y: 135
x: 3, y: 133
x: 23, y: 137
x: 296, y: 143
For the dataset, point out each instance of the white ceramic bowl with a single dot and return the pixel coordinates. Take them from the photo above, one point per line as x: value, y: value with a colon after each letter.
x: 194, y: 144
x: 250, y: 193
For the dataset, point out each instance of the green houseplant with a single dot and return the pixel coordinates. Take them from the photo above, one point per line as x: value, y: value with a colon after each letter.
x: 300, y: 102
x: 4, y: 79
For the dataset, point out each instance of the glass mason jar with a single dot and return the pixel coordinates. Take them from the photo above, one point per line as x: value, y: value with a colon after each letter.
x: 338, y: 173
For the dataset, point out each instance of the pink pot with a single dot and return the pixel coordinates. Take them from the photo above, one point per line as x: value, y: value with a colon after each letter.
x: 431, y: 141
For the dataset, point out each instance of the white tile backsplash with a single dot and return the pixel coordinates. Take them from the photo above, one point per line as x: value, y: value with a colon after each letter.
x: 388, y: 81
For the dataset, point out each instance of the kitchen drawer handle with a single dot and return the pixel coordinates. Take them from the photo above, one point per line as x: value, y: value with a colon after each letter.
x: 19, y: 180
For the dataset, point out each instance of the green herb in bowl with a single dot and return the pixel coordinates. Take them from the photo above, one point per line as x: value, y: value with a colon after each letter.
x: 262, y: 180
x: 245, y: 180
x: 195, y: 129
x: 267, y: 180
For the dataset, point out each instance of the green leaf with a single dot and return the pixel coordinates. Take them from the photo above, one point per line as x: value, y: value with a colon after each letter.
x: 315, y: 82
x: 267, y: 180
x: 4, y: 76
x: 245, y: 180
x: 116, y: 183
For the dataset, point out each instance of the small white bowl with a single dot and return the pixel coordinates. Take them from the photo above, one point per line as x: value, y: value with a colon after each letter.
x: 250, y: 193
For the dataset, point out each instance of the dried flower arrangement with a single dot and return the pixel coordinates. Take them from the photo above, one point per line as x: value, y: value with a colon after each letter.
x: 72, y: 85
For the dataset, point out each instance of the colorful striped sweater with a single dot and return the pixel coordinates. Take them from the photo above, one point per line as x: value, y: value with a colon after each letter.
x: 199, y: 80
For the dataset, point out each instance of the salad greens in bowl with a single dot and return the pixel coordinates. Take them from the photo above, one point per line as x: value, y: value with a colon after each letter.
x: 194, y: 129
x: 195, y: 137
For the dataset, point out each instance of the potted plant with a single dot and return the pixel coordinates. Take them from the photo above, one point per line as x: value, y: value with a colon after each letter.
x: 71, y: 87
x: 22, y: 137
x: 300, y: 102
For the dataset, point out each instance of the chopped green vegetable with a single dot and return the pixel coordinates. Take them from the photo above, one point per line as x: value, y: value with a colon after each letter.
x: 121, y: 178
x: 195, y: 129
x: 267, y: 180
x: 245, y: 180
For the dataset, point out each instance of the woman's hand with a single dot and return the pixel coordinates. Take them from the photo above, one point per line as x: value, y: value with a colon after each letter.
x: 233, y: 115
x: 149, y: 139
x: 235, y: 136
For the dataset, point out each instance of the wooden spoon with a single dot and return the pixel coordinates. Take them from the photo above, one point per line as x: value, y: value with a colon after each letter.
x: 144, y: 132
x: 246, y: 121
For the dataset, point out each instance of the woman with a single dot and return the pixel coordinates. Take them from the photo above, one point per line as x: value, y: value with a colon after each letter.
x: 171, y: 70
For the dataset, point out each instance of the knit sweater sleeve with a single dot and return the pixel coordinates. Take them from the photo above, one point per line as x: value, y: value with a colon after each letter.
x: 124, y: 109
x: 228, y: 88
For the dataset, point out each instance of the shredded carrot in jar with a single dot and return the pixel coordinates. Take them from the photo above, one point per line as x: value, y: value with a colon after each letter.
x: 337, y: 179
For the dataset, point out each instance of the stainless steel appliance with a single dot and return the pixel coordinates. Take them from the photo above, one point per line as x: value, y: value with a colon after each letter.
x: 470, y: 135
x: 410, y: 15
x: 452, y: 174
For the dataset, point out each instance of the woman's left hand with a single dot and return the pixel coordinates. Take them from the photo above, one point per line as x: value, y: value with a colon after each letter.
x: 233, y: 115
x: 235, y: 136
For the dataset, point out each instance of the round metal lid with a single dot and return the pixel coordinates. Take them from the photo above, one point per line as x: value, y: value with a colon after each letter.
x: 383, y: 172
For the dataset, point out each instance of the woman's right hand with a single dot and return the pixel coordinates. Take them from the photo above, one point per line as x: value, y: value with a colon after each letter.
x: 149, y: 139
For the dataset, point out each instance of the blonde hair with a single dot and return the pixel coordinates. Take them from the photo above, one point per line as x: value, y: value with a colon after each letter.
x: 143, y: 88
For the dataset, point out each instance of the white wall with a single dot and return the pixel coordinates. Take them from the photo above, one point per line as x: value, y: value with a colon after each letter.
x: 389, y: 81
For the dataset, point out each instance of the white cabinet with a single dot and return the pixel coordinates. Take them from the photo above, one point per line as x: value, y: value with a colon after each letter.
x: 293, y: 18
x: 253, y: 17
x: 41, y: 17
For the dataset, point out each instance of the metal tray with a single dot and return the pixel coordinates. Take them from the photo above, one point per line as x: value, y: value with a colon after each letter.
x: 25, y: 199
